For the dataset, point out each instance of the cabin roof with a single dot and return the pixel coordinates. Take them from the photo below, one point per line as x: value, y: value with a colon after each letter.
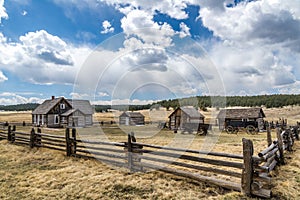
x: 241, y: 113
x: 132, y: 114
x: 83, y: 105
x: 46, y: 106
x: 190, y: 111
x: 69, y: 112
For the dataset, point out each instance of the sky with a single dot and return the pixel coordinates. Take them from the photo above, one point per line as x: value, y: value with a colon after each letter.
x: 138, y: 51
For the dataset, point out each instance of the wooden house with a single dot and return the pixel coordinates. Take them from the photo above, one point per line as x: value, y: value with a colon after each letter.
x: 240, y: 117
x: 131, y: 119
x: 183, y: 115
x: 59, y: 112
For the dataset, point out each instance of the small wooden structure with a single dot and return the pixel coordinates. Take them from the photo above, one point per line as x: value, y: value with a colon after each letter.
x: 59, y: 112
x: 241, y: 117
x: 131, y: 119
x: 185, y: 115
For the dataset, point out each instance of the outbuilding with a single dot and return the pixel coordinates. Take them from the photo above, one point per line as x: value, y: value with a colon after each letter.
x: 185, y: 115
x: 131, y: 119
x: 241, y: 117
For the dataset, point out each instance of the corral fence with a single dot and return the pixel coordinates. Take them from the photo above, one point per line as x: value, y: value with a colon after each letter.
x: 247, y: 173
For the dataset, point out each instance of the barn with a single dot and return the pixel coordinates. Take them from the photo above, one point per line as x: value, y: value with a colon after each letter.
x: 241, y: 116
x: 60, y: 112
x: 131, y: 119
x: 183, y: 115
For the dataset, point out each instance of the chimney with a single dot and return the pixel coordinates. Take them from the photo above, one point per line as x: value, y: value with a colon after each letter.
x: 53, y: 97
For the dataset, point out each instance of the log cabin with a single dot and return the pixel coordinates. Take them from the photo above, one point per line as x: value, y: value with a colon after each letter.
x: 131, y: 119
x: 183, y: 115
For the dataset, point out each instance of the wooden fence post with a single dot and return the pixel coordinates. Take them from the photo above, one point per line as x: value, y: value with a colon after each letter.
x: 247, y: 173
x: 39, y: 137
x: 9, y: 133
x: 68, y: 149
x: 129, y: 151
x: 32, y: 138
x: 269, y: 136
x: 73, y: 141
x: 13, y: 135
x: 280, y: 146
x: 297, y: 133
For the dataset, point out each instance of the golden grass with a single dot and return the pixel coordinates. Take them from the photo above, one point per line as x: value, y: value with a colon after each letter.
x: 45, y: 174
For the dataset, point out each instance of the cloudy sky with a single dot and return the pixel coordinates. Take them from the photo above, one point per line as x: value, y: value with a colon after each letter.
x: 137, y: 51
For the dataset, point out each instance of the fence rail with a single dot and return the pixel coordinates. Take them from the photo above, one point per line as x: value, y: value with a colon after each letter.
x: 247, y: 173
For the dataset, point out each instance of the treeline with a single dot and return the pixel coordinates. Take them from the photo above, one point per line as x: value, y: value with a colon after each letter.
x: 106, y: 108
x: 19, y: 107
x: 202, y: 102
x: 269, y: 101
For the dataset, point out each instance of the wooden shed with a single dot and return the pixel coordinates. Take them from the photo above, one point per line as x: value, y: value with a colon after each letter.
x: 241, y: 117
x: 182, y: 115
x: 131, y: 119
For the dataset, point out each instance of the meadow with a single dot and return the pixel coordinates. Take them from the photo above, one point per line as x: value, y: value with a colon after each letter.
x: 46, y: 174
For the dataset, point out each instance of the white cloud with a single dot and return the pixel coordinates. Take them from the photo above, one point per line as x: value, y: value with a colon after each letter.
x: 139, y: 23
x: 123, y: 102
x: 255, y: 22
x: 9, y: 98
x: 42, y: 58
x: 184, y: 30
x: 24, y: 13
x: 3, y: 13
x: 2, y: 77
x: 107, y: 27
x: 103, y: 94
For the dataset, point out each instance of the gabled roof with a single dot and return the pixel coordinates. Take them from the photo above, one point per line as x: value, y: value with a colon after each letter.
x: 241, y: 113
x: 190, y: 111
x: 132, y: 114
x: 69, y: 112
x: 83, y: 105
x: 46, y: 106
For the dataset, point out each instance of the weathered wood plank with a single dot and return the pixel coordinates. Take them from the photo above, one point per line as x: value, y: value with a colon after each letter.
x: 198, y: 177
x: 203, y: 168
x: 103, y: 143
x: 191, y: 151
x: 100, y: 148
x: 102, y: 154
x: 194, y: 158
x: 268, y: 149
x: 52, y: 136
x: 280, y: 146
x: 247, y: 174
x: 54, y: 144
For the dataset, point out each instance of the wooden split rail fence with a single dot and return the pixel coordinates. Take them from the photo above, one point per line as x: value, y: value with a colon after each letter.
x: 247, y: 173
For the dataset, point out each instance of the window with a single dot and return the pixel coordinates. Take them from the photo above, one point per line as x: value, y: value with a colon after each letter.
x: 56, y: 119
x: 62, y: 106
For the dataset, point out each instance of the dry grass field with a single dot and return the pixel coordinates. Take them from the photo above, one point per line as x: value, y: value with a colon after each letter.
x: 46, y: 174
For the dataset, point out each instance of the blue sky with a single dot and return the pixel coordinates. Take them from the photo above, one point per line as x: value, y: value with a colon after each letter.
x: 120, y: 51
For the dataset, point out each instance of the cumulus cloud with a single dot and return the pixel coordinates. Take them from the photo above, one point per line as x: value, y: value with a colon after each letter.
x: 41, y: 58
x: 184, y: 30
x: 10, y: 98
x: 139, y: 23
x: 3, y: 13
x: 2, y: 77
x: 107, y: 27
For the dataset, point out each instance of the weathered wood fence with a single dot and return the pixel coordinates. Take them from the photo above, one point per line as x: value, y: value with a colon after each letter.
x: 247, y: 173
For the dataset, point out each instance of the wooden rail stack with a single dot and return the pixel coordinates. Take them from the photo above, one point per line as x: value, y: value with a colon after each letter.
x: 247, y: 173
